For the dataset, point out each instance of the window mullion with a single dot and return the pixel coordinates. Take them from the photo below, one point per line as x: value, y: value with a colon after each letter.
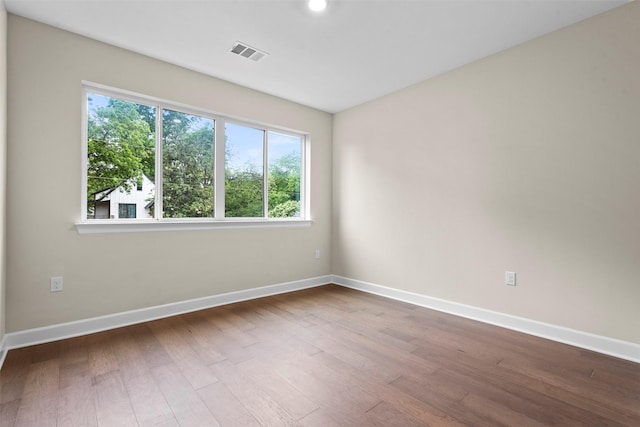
x: 265, y: 174
x: 158, y: 195
x: 219, y: 169
x: 84, y: 197
x: 304, y: 177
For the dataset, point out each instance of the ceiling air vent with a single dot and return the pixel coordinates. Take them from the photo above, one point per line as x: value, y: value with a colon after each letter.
x: 248, y: 52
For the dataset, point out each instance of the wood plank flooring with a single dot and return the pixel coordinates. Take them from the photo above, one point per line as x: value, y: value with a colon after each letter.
x: 327, y: 356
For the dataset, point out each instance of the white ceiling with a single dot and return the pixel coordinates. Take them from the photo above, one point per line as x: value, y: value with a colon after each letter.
x: 354, y: 51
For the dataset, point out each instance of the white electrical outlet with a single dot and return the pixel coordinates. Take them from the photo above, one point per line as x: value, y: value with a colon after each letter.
x: 317, y: 253
x: 510, y: 278
x: 56, y: 284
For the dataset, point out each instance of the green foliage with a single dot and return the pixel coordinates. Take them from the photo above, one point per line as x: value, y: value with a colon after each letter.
x: 187, y: 159
x: 148, y: 114
x: 287, y: 209
x: 284, y: 187
x: 243, y: 193
x: 119, y: 149
x: 121, y: 138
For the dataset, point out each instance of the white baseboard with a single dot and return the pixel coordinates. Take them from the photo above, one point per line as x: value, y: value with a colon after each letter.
x: 96, y: 324
x: 617, y: 348
x: 3, y: 350
x: 613, y: 347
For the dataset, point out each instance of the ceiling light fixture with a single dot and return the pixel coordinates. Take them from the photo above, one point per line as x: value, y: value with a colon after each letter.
x: 317, y: 5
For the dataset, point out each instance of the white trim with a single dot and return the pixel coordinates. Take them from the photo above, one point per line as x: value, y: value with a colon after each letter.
x: 84, y: 151
x: 158, y: 206
x: 613, y: 347
x: 601, y: 344
x: 305, y: 177
x: 219, y: 168
x: 135, y: 226
x: 3, y: 350
x: 96, y: 324
x: 265, y: 173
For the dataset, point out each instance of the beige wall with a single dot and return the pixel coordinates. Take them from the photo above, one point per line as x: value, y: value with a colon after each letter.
x: 528, y: 161
x: 3, y: 160
x: 108, y: 273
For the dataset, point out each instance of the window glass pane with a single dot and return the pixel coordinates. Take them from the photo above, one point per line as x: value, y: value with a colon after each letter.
x: 285, y: 160
x: 244, y: 159
x: 187, y: 165
x: 127, y: 210
x: 262, y: 168
x: 120, y: 154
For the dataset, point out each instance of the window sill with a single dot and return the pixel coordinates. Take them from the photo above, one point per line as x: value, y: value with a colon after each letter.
x: 138, y: 226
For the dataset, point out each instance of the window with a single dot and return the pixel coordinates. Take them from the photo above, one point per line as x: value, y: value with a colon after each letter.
x: 150, y: 159
x: 245, y: 168
x: 187, y: 165
x: 127, y: 210
x: 120, y: 151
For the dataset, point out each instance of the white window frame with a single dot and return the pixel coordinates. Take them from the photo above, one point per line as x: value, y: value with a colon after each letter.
x: 158, y: 223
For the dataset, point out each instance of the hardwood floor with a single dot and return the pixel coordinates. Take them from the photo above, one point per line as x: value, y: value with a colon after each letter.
x: 327, y: 356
